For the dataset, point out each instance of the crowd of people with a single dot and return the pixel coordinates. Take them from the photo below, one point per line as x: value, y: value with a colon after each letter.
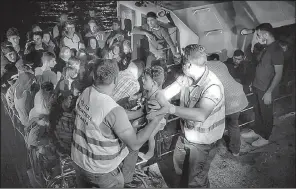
x: 82, y: 94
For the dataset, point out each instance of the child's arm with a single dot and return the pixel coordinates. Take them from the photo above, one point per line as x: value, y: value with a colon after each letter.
x: 161, y: 99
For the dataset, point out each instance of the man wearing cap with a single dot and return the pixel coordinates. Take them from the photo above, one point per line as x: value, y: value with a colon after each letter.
x: 202, y: 113
x: 156, y: 35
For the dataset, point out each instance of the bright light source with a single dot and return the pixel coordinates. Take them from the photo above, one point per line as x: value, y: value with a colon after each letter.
x: 246, y: 31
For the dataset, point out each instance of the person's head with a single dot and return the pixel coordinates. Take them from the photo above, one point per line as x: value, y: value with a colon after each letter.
x: 92, y: 26
x: 48, y: 59
x: 65, y: 53
x: 74, y: 62
x: 283, y: 45
x: 152, y: 19
x: 9, y: 53
x: 136, y: 67
x: 126, y: 46
x: 13, y: 36
x: 37, y: 37
x: 116, y: 25
x: 73, y: 52
x: 105, y: 74
x: 238, y: 56
x: 195, y: 60
x: 153, y: 77
x: 70, y: 27
x: 213, y: 56
x: 71, y: 72
x: 265, y: 33
x: 116, y: 48
x: 63, y: 18
x: 92, y: 13
x: 92, y: 43
x: 81, y: 55
x: 46, y: 37
x: 36, y: 28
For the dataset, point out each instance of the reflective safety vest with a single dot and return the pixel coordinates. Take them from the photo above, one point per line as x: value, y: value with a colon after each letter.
x: 212, y: 128
x: 91, y: 150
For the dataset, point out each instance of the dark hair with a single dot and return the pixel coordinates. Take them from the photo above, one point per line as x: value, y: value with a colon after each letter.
x: 35, y: 25
x: 40, y: 33
x: 238, y: 52
x: 105, y: 72
x: 213, y: 56
x: 12, y: 32
x: 267, y: 27
x: 48, y: 56
x: 97, y: 44
x: 73, y: 51
x: 47, y: 86
x: 70, y: 22
x: 151, y: 14
x: 156, y: 73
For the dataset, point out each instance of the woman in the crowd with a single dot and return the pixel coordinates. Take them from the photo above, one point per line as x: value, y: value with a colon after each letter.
x: 62, y: 61
x: 24, y: 96
x: 126, y: 56
x: 34, y: 28
x: 93, y: 49
x: 114, y: 52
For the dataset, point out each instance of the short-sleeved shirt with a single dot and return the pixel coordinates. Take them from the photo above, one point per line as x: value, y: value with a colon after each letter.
x: 272, y: 55
x: 161, y: 35
x: 127, y: 85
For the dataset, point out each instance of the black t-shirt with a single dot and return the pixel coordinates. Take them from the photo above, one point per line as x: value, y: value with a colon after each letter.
x: 59, y: 66
x: 124, y: 61
x: 270, y: 56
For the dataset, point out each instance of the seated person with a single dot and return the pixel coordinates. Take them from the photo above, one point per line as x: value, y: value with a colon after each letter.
x: 13, y: 40
x: 94, y: 31
x: 236, y: 66
x: 125, y: 56
x: 44, y: 74
x: 153, y: 79
x: 34, y: 50
x: 92, y: 48
x: 62, y: 60
x: 50, y: 45
x: 64, y: 85
x: 128, y: 84
x: 71, y: 38
x: 114, y: 52
x: 65, y: 120
x: 158, y: 38
x: 116, y: 35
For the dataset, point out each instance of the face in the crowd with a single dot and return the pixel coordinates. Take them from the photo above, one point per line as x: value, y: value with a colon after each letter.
x: 237, y: 59
x: 93, y: 27
x: 63, y: 18
x: 116, y: 50
x: 52, y: 63
x: 261, y: 37
x: 11, y: 56
x: 148, y: 83
x: 46, y: 38
x: 73, y: 74
x: 190, y: 69
x: 126, y: 49
x: 75, y: 65
x: 14, y: 40
x: 92, y: 13
x: 152, y: 22
x: 70, y: 29
x: 93, y: 43
x: 37, y: 39
x: 67, y: 53
x: 36, y: 29
x: 115, y: 26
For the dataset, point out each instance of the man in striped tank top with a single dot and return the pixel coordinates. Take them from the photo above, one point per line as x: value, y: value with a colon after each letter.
x: 103, y: 136
x: 202, y: 113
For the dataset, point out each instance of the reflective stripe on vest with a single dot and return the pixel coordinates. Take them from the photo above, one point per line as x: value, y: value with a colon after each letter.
x: 91, y: 150
x: 210, y: 128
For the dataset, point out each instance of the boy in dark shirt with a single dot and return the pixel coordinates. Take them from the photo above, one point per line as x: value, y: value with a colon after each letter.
x: 236, y: 66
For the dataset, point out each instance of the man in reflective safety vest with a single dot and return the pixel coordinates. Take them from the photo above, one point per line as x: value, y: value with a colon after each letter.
x: 202, y: 111
x: 103, y: 136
